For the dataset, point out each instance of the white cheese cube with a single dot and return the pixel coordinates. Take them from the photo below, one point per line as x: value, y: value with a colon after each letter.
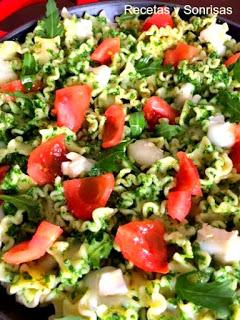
x: 78, y: 165
x: 216, y: 35
x: 6, y: 72
x: 222, y: 244
x: 221, y: 133
x: 112, y: 283
x: 144, y: 152
x: 102, y: 74
x: 185, y: 93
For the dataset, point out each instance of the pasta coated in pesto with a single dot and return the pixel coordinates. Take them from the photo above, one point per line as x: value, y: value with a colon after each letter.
x: 197, y: 102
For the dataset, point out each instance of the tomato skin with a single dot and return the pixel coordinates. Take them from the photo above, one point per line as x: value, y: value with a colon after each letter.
x: 3, y: 171
x: 179, y: 204
x: 16, y: 85
x: 44, y: 163
x: 106, y: 50
x: 182, y: 51
x: 156, y: 108
x: 235, y: 156
x: 161, y: 20
x: 44, y: 237
x: 237, y: 132
x: 12, y: 86
x: 233, y: 59
x: 87, y: 194
x: 71, y: 105
x: 187, y: 176
x: 143, y: 244
x: 114, y: 126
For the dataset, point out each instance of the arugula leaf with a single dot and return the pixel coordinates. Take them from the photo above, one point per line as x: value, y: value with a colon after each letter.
x: 168, y: 131
x: 146, y: 66
x: 137, y: 123
x: 217, y: 296
x: 30, y: 65
x: 22, y: 202
x: 29, y: 68
x: 236, y: 70
x: 51, y: 24
x: 230, y: 101
x: 111, y: 160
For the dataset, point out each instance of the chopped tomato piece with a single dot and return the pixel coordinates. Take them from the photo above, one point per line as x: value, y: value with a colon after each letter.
x: 16, y: 85
x: 179, y: 204
x: 181, y: 52
x: 161, y: 20
x: 44, y: 163
x: 143, y: 244
x: 233, y: 59
x: 87, y: 194
x: 106, y: 50
x: 3, y: 171
x: 235, y: 156
x: 237, y: 132
x: 114, y: 126
x: 187, y: 176
x: 44, y: 237
x: 156, y: 108
x: 12, y: 86
x: 71, y: 105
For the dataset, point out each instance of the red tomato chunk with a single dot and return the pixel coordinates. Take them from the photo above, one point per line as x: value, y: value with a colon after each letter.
x: 143, y: 244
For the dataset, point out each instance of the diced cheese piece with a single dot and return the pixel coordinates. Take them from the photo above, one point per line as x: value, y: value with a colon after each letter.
x: 216, y: 35
x: 95, y: 295
x: 222, y: 244
x: 84, y: 28
x: 221, y: 133
x: 77, y: 29
x: 44, y: 48
x: 9, y: 49
x: 144, y: 152
x: 6, y: 72
x: 78, y: 165
x: 112, y: 283
x: 185, y: 93
x: 102, y: 74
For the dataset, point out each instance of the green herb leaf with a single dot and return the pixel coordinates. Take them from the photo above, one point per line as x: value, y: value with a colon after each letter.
x: 99, y: 249
x: 168, y: 131
x: 30, y: 65
x: 137, y: 123
x: 29, y: 68
x: 52, y: 25
x: 27, y: 81
x: 22, y: 202
x: 217, y: 296
x: 111, y: 160
x: 230, y: 102
x: 236, y: 70
x: 146, y: 66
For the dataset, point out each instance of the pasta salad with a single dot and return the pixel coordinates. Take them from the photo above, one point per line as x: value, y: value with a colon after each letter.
x: 120, y: 167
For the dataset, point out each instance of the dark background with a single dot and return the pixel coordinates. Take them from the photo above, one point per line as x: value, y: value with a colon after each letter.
x: 37, y: 10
